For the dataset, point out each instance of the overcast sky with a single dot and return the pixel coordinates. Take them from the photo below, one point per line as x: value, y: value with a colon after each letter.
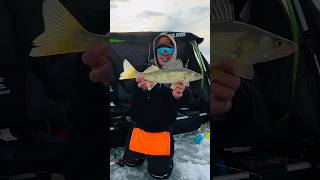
x: 163, y: 15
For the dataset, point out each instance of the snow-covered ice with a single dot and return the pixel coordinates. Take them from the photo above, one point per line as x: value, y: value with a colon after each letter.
x: 191, y: 161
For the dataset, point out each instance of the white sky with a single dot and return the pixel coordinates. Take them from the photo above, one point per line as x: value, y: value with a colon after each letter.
x: 163, y: 15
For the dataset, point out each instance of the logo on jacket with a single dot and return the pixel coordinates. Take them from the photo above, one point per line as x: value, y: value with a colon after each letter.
x: 178, y: 34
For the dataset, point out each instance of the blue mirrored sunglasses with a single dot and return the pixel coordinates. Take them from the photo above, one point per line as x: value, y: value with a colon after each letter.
x: 161, y: 50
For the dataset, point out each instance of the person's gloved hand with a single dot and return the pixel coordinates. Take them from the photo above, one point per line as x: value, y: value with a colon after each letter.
x: 223, y: 89
x: 177, y: 92
x: 143, y: 84
x: 97, y: 58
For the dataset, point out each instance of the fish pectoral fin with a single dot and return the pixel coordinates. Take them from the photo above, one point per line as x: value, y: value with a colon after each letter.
x: 151, y: 69
x: 243, y: 71
x: 174, y: 85
x: 150, y: 85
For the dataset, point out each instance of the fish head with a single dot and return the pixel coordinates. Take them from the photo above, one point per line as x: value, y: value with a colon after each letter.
x: 194, y: 76
x: 272, y: 47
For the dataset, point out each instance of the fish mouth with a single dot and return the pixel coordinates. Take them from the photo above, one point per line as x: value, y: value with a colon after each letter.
x: 284, y: 52
x: 292, y: 48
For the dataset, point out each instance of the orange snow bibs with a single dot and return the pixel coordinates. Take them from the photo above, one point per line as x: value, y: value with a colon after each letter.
x: 150, y: 143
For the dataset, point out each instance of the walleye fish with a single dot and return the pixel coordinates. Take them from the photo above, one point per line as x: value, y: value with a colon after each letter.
x: 172, y: 72
x: 245, y: 43
x: 63, y: 33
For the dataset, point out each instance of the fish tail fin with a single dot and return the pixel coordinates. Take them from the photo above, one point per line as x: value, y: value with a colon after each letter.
x: 129, y: 72
x: 63, y: 33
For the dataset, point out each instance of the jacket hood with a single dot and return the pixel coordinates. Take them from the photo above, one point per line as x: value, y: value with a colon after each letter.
x: 174, y: 55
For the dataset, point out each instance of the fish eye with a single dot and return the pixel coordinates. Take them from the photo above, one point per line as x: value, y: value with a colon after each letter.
x: 278, y: 43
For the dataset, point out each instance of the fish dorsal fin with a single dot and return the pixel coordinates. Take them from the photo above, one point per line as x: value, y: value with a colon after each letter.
x: 221, y: 11
x: 245, y: 13
x: 173, y: 64
x: 151, y: 69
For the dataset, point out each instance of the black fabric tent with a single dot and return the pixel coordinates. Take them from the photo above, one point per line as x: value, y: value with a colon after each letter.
x: 136, y: 47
